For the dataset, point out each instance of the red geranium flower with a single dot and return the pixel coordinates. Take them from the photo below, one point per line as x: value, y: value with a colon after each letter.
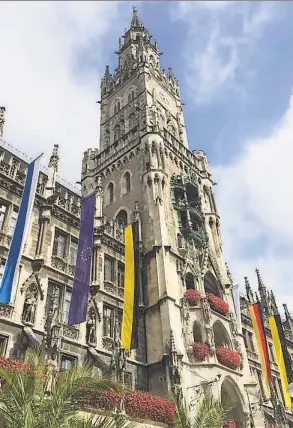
x: 200, y: 351
x: 228, y: 357
x: 192, y: 296
x: 218, y: 304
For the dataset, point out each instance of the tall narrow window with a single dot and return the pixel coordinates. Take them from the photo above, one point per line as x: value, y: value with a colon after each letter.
x: 108, y: 321
x: 2, y: 266
x: 49, y: 298
x: 3, y: 209
x: 67, y: 300
x: 111, y: 193
x: 12, y: 221
x: 59, y: 247
x: 116, y: 133
x: 73, y: 251
x: 3, y: 345
x: 108, y: 269
x: 120, y: 275
x: 127, y: 183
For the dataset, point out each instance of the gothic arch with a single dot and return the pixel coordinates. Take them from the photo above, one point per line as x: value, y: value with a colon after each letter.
x: 117, y: 133
x: 221, y: 335
x: 232, y: 401
x: 197, y: 332
x: 126, y: 182
x: 110, y: 193
x: 122, y: 218
x: 191, y: 193
x: 212, y: 285
x: 189, y: 281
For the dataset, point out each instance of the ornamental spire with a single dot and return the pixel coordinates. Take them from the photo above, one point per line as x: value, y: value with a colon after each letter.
x: 2, y: 120
x: 248, y: 289
x: 135, y: 22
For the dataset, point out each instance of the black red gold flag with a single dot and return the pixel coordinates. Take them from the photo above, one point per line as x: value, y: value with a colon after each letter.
x: 282, y: 355
x: 129, y: 331
x: 259, y: 331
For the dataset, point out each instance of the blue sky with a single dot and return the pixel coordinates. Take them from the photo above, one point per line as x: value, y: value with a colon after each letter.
x: 234, y: 61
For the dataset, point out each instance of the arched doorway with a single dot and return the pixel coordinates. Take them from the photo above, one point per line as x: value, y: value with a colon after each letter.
x: 232, y: 401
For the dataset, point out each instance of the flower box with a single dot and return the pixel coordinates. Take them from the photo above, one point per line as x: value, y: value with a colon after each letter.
x: 228, y: 358
x: 192, y: 296
x: 200, y: 351
x: 218, y: 305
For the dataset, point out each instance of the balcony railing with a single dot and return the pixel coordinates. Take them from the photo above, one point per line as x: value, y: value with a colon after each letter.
x: 70, y: 332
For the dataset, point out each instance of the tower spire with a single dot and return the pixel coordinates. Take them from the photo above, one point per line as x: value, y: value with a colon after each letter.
x: 264, y: 295
x: 248, y: 289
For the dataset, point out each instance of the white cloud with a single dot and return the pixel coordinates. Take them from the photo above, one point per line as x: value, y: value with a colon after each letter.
x: 256, y: 206
x: 214, y: 51
x: 49, y: 96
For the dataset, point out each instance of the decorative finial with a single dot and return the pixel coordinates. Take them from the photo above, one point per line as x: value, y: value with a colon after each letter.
x: 54, y: 159
x: 287, y: 313
x: 248, y: 289
x: 107, y: 71
x: 135, y: 22
x: 273, y: 302
x: 2, y: 120
x: 172, y: 342
x: 259, y: 280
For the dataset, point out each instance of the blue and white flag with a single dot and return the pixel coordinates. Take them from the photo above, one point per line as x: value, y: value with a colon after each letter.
x: 236, y: 301
x: 20, y: 231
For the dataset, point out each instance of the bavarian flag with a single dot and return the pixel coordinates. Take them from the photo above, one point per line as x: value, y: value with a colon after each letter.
x: 129, y: 331
x: 259, y: 331
x: 282, y: 355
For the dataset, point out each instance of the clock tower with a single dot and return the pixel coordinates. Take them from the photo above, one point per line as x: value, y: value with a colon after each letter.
x: 147, y: 173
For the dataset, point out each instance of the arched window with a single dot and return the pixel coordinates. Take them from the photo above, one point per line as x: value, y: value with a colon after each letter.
x: 126, y: 183
x: 111, y: 193
x: 191, y: 194
x: 189, y: 281
x: 221, y: 335
x: 122, y: 218
x: 211, y: 285
x: 117, y: 107
x: 131, y: 121
x: 116, y: 133
x: 180, y: 241
x: 131, y: 96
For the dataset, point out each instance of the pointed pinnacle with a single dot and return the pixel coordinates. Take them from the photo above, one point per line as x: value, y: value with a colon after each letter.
x: 259, y: 279
x: 135, y: 22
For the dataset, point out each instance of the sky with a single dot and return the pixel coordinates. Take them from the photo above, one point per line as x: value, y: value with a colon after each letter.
x: 234, y: 62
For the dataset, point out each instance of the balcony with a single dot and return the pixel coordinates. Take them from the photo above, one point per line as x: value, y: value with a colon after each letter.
x: 5, y: 240
x: 112, y: 289
x: 59, y: 264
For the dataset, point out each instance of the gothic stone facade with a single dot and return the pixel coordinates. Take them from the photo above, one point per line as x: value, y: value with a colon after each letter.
x: 144, y: 171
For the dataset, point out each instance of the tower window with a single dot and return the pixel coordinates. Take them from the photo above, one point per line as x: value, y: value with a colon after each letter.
x: 116, y: 133
x: 131, y: 96
x: 117, y: 107
x: 111, y: 193
x: 122, y: 218
x: 127, y: 183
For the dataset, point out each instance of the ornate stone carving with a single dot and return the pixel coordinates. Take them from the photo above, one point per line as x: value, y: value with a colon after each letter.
x: 30, y: 305
x: 53, y: 323
x: 5, y: 310
x: 51, y: 374
x: 91, y: 328
x: 2, y: 120
x: 206, y: 310
x: 70, y: 332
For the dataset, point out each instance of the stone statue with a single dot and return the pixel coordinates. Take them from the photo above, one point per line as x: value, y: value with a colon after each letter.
x: 51, y: 374
x: 91, y: 329
x: 29, y: 307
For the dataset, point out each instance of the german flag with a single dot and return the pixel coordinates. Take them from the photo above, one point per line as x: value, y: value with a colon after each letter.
x: 282, y: 354
x: 129, y: 333
x: 259, y: 331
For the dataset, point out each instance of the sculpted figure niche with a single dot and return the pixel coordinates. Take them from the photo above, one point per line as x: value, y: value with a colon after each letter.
x: 91, y: 328
x: 30, y: 305
x: 51, y: 374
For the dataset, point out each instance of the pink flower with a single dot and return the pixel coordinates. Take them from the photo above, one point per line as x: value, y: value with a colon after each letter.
x: 200, y: 351
x: 192, y: 296
x: 229, y: 358
x: 218, y: 305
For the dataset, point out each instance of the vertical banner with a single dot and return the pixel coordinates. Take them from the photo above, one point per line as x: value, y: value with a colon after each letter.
x: 20, y: 230
x: 282, y: 355
x: 80, y: 291
x: 236, y: 301
x: 258, y: 328
x: 129, y: 333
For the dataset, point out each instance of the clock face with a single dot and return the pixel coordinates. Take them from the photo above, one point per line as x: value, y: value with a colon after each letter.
x: 163, y: 98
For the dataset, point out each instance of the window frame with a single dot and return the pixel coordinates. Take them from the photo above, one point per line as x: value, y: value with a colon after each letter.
x: 55, y: 251
x: 108, y: 331
x: 69, y: 357
x: 3, y: 215
x: 10, y: 229
x: 112, y: 262
x: 3, y: 347
x: 75, y: 240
